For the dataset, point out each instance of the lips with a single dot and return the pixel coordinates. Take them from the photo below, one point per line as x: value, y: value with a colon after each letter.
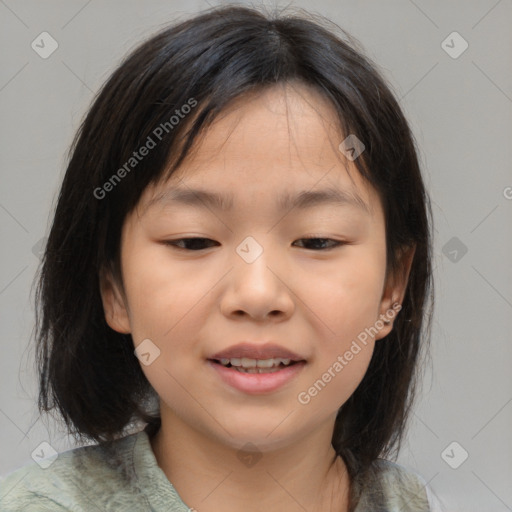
x: 257, y: 351
x: 257, y: 383
x: 257, y: 369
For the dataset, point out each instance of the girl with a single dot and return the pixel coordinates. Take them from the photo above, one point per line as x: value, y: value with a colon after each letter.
x: 237, y: 284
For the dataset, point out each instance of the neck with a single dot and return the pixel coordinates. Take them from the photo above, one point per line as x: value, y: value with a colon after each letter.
x: 210, y: 476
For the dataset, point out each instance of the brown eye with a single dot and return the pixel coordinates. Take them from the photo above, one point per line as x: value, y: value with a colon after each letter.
x: 315, y: 243
x: 189, y: 244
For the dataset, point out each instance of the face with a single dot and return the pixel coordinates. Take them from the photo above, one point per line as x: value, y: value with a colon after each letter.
x: 269, y: 279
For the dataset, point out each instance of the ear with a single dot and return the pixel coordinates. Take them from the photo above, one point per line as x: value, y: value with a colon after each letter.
x: 114, y: 303
x: 394, y: 291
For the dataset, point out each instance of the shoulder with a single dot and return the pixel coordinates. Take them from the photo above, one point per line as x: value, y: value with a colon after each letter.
x: 73, y: 481
x: 403, y: 487
x: 394, y: 488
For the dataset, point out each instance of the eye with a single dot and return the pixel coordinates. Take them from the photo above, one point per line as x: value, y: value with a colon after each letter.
x: 334, y: 243
x: 194, y: 244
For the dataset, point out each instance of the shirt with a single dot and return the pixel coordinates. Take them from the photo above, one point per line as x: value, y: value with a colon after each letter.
x: 125, y: 476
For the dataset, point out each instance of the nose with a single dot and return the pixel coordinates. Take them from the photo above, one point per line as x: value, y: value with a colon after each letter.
x: 258, y: 288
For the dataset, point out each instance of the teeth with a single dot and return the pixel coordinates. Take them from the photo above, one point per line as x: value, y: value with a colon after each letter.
x: 254, y: 364
x: 257, y: 370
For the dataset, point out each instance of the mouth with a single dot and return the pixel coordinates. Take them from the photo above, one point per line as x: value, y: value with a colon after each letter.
x: 257, y: 375
x: 259, y: 366
x: 256, y: 368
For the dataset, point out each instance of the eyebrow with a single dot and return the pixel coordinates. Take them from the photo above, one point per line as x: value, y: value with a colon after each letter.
x: 303, y: 200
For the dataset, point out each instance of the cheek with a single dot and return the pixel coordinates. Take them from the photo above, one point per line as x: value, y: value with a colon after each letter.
x: 165, y: 306
x: 334, y: 385
x: 344, y: 352
x: 347, y: 302
x: 346, y: 295
x: 163, y: 296
x: 168, y: 305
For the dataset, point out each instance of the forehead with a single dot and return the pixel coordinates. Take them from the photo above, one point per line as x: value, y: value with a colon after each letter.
x: 280, y: 143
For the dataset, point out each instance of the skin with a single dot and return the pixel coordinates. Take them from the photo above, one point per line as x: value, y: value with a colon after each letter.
x: 191, y: 304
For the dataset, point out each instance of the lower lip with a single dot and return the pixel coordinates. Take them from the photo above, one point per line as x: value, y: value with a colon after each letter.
x: 257, y: 383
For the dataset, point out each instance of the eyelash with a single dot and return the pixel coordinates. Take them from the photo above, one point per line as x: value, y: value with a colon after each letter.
x: 173, y: 243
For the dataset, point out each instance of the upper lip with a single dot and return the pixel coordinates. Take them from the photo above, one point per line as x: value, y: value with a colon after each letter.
x: 257, y: 351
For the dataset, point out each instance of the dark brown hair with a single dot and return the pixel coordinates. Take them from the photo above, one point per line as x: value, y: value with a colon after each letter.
x: 88, y: 371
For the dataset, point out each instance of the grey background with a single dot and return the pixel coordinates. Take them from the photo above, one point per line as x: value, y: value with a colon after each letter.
x: 461, y: 112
